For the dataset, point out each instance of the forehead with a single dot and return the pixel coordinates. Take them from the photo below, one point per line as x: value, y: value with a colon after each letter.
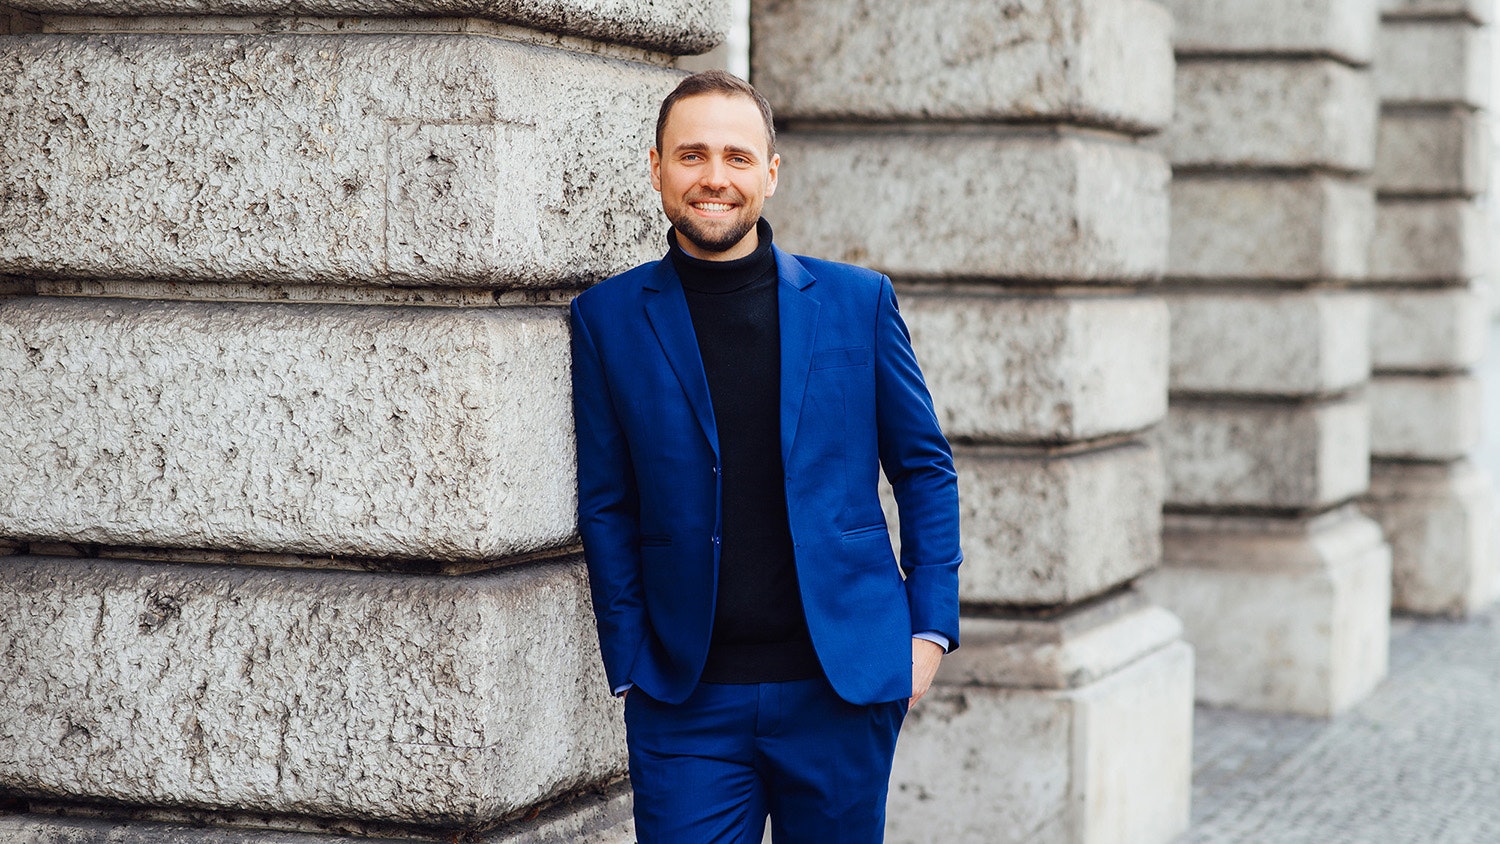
x: 716, y: 120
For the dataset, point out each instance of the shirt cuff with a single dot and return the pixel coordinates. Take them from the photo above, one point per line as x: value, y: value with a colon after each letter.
x: 934, y: 637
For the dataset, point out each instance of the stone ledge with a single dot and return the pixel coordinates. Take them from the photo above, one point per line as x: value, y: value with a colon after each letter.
x: 1439, y: 521
x: 1097, y: 62
x: 1425, y: 241
x: 1272, y: 455
x: 325, y: 159
x: 1425, y: 61
x: 1443, y: 329
x: 1433, y: 152
x: 1425, y: 417
x: 1478, y: 11
x: 668, y: 26
x: 434, y: 434
x: 1286, y: 615
x: 1272, y: 114
x: 448, y: 702
x: 1032, y: 369
x: 1013, y: 206
x: 1341, y: 29
x: 1271, y: 343
x: 1042, y: 530
x: 1270, y: 228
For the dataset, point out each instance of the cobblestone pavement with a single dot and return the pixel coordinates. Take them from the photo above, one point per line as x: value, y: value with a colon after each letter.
x: 1417, y: 762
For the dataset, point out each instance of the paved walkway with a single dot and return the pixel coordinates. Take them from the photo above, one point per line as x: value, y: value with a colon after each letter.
x: 1418, y: 762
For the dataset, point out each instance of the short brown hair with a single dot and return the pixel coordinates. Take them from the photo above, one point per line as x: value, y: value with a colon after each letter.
x: 716, y: 82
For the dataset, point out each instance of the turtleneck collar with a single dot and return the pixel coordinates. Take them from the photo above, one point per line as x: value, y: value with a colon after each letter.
x: 723, y: 276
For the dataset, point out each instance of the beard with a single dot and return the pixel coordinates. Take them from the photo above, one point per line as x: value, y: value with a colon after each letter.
x: 718, y: 236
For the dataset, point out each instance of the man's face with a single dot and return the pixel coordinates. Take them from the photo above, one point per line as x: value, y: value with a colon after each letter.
x: 714, y: 171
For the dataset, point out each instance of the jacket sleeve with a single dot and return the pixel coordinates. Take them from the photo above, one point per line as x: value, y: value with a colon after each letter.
x: 608, y: 510
x: 919, y: 464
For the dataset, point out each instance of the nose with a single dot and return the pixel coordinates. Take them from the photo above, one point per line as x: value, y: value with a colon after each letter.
x: 715, y: 175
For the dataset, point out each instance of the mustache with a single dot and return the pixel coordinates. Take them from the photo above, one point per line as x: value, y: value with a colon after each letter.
x: 726, y: 195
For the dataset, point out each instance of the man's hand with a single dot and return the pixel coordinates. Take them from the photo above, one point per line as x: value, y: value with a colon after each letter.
x: 925, y: 657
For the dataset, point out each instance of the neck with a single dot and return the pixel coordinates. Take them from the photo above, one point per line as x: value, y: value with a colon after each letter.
x: 724, y: 275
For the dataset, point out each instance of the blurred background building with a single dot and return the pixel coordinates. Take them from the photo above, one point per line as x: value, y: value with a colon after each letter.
x: 286, y: 469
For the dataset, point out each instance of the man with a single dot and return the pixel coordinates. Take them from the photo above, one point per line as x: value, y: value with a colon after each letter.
x: 734, y: 405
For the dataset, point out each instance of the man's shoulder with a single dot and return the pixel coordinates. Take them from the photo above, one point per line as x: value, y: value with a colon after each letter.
x: 842, y: 278
x: 618, y: 287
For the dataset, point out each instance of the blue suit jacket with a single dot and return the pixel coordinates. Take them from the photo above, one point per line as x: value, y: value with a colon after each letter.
x: 852, y: 401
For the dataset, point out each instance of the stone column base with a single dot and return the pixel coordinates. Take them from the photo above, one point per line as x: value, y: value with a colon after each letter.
x: 1076, y: 728
x: 1287, y: 614
x: 1437, y: 518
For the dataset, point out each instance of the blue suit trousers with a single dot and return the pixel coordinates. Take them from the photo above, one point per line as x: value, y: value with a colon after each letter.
x: 710, y: 769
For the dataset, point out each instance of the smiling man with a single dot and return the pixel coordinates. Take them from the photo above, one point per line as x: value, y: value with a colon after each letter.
x: 734, y: 407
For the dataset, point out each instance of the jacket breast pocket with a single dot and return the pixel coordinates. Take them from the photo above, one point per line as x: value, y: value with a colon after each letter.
x: 833, y: 358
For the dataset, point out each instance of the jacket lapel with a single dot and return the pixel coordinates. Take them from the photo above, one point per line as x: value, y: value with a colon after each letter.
x: 666, y: 310
x: 799, y: 325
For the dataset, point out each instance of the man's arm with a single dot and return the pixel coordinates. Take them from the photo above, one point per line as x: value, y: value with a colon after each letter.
x: 608, y: 511
x: 917, y: 460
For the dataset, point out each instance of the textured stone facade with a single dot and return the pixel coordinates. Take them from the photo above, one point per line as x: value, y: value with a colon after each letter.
x: 1269, y: 428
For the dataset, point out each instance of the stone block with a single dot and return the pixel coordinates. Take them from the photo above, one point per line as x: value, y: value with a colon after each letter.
x: 409, y: 433
x: 1048, y: 530
x: 1429, y: 240
x: 1428, y: 61
x: 1424, y: 417
x: 420, y: 700
x: 1432, y: 152
x: 668, y: 26
x: 1298, y: 228
x: 1099, y: 752
x: 1079, y: 61
x: 1272, y: 114
x: 1436, y: 329
x: 1343, y: 29
x: 1439, y: 521
x: 1273, y: 455
x: 1040, y: 369
x: 1270, y: 343
x: 1286, y: 615
x: 969, y: 205
x: 1478, y: 11
x: 329, y: 159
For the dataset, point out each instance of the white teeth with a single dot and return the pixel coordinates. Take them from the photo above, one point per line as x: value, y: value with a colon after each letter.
x: 713, y: 206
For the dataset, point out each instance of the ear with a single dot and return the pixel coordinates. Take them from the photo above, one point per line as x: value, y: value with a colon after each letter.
x: 655, y: 158
x: 774, y: 168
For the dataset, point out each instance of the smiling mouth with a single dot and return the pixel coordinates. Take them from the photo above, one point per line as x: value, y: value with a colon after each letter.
x: 713, y: 207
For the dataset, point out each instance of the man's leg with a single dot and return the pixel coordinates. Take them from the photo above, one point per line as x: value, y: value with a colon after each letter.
x: 828, y: 766
x: 692, y: 767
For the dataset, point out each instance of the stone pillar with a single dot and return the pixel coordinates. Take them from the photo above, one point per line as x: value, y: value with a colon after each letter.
x: 1282, y: 586
x: 286, y: 443
x: 1430, y: 313
x: 987, y: 159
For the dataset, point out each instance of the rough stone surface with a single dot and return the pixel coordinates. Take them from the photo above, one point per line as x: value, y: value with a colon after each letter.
x: 1017, y: 206
x: 1286, y: 615
x: 669, y: 26
x: 1089, y: 61
x: 443, y: 701
x: 1270, y: 228
x: 1429, y: 240
x: 1429, y: 330
x: 386, y: 432
x: 1288, y: 343
x: 1439, y: 522
x: 1272, y: 113
x: 1041, y: 369
x: 1344, y: 29
x: 359, y: 159
x: 1266, y: 454
x: 1417, y: 417
x: 1475, y: 10
x: 1106, y: 760
x: 1042, y: 530
x: 1432, y: 152
x: 1427, y: 61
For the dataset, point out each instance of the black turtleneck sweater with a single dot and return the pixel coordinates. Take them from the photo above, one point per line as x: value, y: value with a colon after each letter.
x: 760, y: 633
